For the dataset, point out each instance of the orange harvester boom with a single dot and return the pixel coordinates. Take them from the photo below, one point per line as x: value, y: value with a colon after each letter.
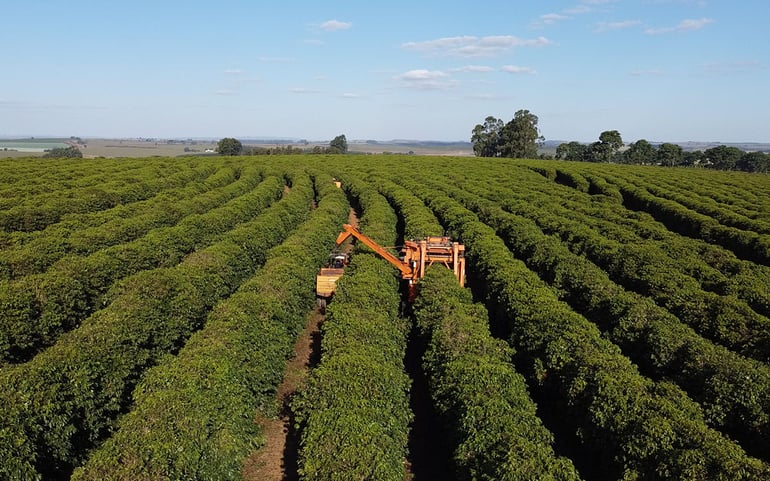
x: 416, y: 255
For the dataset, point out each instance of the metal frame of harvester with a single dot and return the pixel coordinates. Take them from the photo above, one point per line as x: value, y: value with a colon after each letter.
x: 414, y: 258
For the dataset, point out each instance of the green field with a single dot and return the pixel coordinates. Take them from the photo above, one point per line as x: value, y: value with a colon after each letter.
x: 616, y: 323
x: 31, y: 145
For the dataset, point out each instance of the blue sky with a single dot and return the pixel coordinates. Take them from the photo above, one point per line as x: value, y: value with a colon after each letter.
x: 662, y: 70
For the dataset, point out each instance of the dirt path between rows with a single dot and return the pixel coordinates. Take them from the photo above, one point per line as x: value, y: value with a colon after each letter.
x: 277, y: 459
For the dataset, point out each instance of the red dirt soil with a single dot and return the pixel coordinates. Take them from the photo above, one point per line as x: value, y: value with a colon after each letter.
x: 276, y: 460
x: 273, y: 461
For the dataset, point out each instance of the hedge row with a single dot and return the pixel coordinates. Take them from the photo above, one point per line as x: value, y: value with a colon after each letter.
x: 629, y: 426
x: 187, y: 175
x: 80, y: 236
x: 732, y: 188
x: 64, y: 401
x: 491, y: 421
x: 40, y: 307
x: 745, y: 244
x: 418, y: 220
x: 205, y: 398
x: 37, y: 212
x: 380, y: 221
x: 717, y: 269
x: 727, y: 215
x: 354, y: 414
x: 31, y: 177
x: 643, y: 267
x: 712, y: 375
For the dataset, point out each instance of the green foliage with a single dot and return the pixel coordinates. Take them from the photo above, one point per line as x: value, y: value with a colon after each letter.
x: 419, y: 222
x: 491, y: 421
x: 754, y: 162
x: 35, y: 212
x: 70, y: 152
x: 621, y: 417
x: 746, y: 244
x: 669, y: 154
x: 574, y: 151
x: 338, y: 145
x: 229, y: 146
x: 640, y: 152
x: 83, y: 234
x: 205, y: 397
x: 67, y: 398
x: 354, y: 415
x: 519, y: 138
x: 581, y: 268
x: 653, y: 338
x: 48, y: 304
x: 486, y: 138
x: 723, y: 157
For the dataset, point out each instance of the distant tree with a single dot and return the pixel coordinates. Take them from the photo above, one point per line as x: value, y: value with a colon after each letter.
x: 70, y: 152
x: 723, y: 157
x: 574, y: 151
x: 486, y: 137
x: 520, y: 137
x: 606, y: 149
x: 640, y: 152
x: 669, y: 155
x: 754, y: 162
x: 229, y: 146
x: 692, y: 158
x: 339, y: 145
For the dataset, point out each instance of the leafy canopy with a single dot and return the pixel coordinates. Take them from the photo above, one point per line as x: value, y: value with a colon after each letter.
x: 229, y: 146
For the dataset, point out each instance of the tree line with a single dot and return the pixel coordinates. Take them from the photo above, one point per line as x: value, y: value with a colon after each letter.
x: 610, y: 148
x: 232, y: 146
x: 521, y: 138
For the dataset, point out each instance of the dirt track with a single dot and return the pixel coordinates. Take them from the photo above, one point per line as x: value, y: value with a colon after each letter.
x: 277, y: 459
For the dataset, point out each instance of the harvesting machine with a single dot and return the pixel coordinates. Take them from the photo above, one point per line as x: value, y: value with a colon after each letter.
x: 415, y: 256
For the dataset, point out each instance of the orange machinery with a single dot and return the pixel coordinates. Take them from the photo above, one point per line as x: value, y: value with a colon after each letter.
x: 415, y: 256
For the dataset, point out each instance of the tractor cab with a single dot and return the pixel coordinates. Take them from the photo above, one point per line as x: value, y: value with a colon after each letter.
x: 326, y: 280
x: 337, y: 261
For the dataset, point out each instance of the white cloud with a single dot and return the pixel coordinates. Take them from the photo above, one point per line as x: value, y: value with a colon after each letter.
x: 233, y: 71
x: 610, y: 26
x: 515, y: 69
x: 335, y: 25
x: 582, y: 8
x: 426, y: 79
x: 470, y: 46
x: 226, y: 92
x: 686, y: 25
x: 578, y: 10
x: 696, y: 24
x: 350, y: 95
x: 585, y: 6
x: 474, y: 68
x: 550, y: 18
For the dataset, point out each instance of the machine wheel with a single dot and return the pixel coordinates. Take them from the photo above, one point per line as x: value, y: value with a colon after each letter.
x: 321, y: 302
